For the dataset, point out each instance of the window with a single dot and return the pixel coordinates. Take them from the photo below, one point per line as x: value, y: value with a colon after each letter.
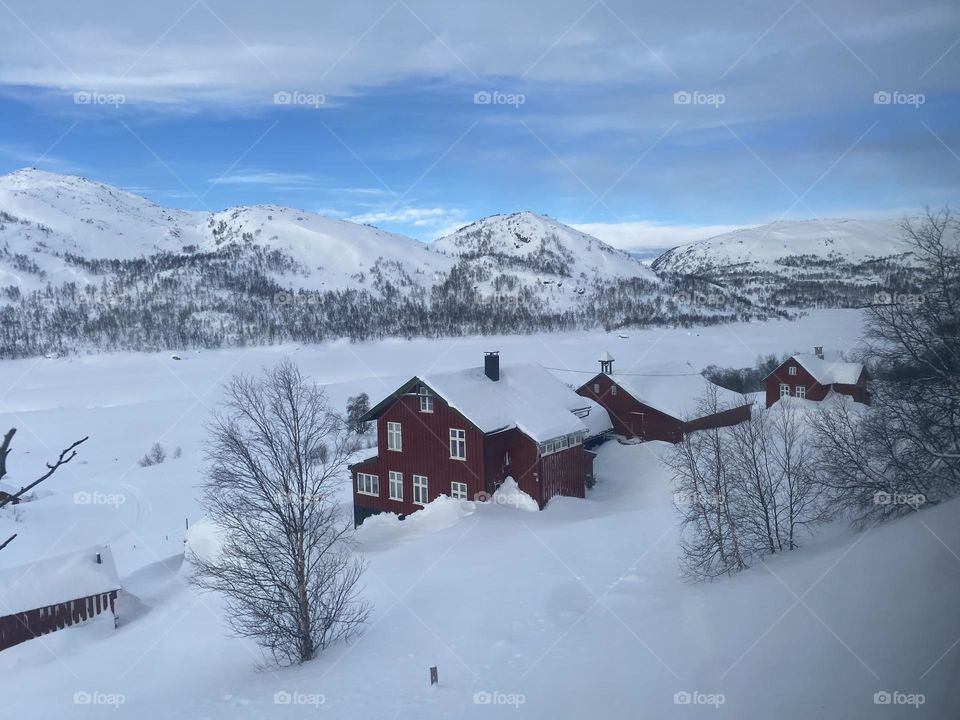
x: 426, y: 400
x: 596, y: 388
x: 801, y: 391
x: 792, y: 370
x: 420, y: 489
x: 458, y: 444
x: 394, y: 438
x: 613, y: 389
x: 396, y: 485
x: 784, y: 390
x: 562, y: 443
x: 458, y: 490
x: 368, y: 484
x: 506, y: 459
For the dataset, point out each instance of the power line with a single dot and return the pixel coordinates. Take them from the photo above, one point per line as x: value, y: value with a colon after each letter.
x: 595, y: 372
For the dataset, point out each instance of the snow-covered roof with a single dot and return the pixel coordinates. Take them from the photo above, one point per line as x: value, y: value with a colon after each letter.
x: 676, y: 390
x: 606, y: 357
x: 57, y: 579
x: 828, y: 372
x: 527, y: 397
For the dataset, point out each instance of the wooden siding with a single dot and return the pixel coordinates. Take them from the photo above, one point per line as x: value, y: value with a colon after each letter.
x: 630, y: 417
x: 524, y: 462
x: 734, y: 416
x: 814, y: 390
x: 425, y: 451
x: 20, y: 627
x: 563, y: 473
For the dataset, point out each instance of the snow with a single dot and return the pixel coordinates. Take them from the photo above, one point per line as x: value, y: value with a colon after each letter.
x: 674, y: 388
x: 828, y: 372
x: 579, y: 609
x: 526, y: 397
x: 762, y: 247
x: 57, y: 579
x: 510, y: 494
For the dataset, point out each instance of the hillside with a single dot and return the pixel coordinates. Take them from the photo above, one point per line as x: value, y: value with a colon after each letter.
x: 801, y: 263
x: 86, y: 266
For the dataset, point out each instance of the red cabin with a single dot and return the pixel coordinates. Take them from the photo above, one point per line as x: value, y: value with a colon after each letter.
x: 813, y: 377
x: 53, y: 593
x: 663, y: 403
x: 463, y: 433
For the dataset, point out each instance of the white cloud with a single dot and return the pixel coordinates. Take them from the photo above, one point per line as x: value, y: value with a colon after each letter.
x: 265, y: 178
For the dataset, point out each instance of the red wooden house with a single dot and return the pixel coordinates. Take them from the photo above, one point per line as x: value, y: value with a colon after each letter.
x: 54, y: 593
x: 812, y: 376
x: 463, y: 433
x: 662, y: 403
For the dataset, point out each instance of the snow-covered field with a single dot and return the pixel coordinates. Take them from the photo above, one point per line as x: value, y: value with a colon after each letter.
x: 575, y: 611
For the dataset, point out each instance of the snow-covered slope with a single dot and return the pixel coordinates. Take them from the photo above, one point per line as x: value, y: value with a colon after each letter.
x: 541, y: 244
x: 47, y: 216
x: 768, y: 246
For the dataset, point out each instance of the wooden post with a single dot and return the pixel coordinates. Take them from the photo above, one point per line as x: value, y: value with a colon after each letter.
x: 434, y: 677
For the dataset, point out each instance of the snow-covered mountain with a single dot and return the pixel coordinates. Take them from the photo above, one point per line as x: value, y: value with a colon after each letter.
x: 771, y: 246
x: 48, y: 217
x: 800, y: 263
x: 531, y: 243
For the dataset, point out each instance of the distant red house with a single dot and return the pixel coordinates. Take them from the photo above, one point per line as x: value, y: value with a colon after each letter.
x: 54, y: 593
x: 813, y: 377
x: 662, y: 403
x: 463, y: 433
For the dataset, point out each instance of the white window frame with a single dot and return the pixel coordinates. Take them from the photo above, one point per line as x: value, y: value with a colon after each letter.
x: 396, y: 480
x: 613, y: 389
x: 792, y: 370
x: 423, y: 486
x: 458, y: 442
x: 394, y: 436
x: 562, y: 442
x: 784, y: 390
x: 368, y: 484
x: 426, y: 400
x: 801, y: 391
x: 596, y: 388
x: 458, y: 490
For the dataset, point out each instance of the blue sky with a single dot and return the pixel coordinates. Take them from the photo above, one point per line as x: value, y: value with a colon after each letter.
x: 647, y: 123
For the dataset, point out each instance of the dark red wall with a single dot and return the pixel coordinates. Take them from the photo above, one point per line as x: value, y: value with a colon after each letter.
x: 815, y: 391
x: 630, y: 417
x: 20, y: 627
x: 563, y: 473
x: 426, y: 451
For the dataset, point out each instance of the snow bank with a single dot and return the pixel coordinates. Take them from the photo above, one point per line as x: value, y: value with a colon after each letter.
x: 510, y: 494
x: 203, y: 540
x: 386, y: 529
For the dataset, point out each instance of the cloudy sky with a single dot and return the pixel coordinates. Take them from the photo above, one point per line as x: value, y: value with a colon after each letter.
x: 647, y: 123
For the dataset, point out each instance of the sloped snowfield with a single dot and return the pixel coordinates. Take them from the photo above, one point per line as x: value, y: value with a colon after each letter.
x: 575, y: 611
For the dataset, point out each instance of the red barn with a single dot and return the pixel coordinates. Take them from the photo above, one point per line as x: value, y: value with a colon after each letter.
x: 57, y: 592
x: 812, y: 376
x: 463, y: 433
x: 662, y: 403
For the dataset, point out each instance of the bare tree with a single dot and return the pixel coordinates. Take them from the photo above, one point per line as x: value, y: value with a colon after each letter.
x: 66, y: 455
x: 904, y: 450
x: 710, y: 541
x: 287, y: 565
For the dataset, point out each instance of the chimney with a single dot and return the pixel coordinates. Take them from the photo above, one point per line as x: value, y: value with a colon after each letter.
x: 606, y: 363
x: 491, y: 365
x: 99, y: 559
x: 818, y: 351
